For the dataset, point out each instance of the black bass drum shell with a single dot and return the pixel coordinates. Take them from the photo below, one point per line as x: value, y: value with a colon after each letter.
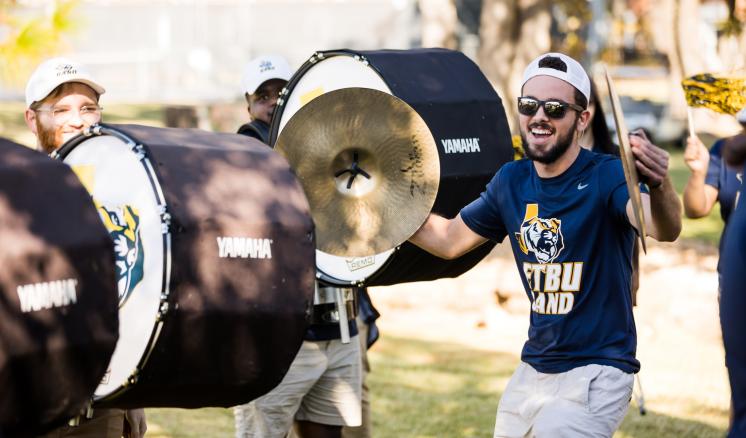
x: 464, y: 114
x: 240, y: 279
x: 58, y: 293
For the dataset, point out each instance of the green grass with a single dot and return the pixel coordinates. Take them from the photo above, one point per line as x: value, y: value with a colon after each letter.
x: 418, y: 389
x: 424, y: 389
x: 189, y: 423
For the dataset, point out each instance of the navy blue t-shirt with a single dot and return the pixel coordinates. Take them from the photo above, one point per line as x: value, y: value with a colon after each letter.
x: 732, y: 321
x: 724, y: 178
x: 572, y: 243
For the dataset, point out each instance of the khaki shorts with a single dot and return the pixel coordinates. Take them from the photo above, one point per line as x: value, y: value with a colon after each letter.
x: 322, y: 386
x: 588, y: 401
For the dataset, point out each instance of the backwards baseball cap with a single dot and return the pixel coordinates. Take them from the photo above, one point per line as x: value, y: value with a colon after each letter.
x: 741, y: 115
x: 54, y: 72
x: 262, y: 69
x: 575, y: 74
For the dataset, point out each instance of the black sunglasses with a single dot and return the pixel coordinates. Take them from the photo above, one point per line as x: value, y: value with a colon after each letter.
x: 554, y: 109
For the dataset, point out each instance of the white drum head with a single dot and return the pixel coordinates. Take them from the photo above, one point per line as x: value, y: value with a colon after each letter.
x: 328, y: 75
x: 349, y: 270
x: 127, y: 203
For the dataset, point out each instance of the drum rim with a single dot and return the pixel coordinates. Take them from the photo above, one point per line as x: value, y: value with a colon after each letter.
x: 143, y: 155
x: 298, y: 75
x: 274, y: 134
x: 328, y: 278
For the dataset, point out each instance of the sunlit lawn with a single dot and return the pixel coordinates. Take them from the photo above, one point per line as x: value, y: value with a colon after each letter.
x: 425, y: 389
x: 419, y: 389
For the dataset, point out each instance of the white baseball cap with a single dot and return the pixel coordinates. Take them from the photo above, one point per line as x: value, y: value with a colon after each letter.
x: 54, y: 72
x: 575, y: 74
x: 260, y: 70
x: 741, y: 115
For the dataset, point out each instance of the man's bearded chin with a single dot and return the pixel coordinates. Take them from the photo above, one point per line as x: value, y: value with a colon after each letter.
x: 553, y: 153
x: 47, y: 138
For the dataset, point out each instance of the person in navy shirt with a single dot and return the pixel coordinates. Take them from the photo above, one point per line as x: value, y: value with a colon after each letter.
x: 711, y: 179
x: 733, y: 293
x: 568, y: 216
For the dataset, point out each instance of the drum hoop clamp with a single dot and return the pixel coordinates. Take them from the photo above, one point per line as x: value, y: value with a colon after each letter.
x: 316, y: 57
x: 362, y: 59
x: 139, y: 151
x: 92, y: 130
x: 163, y: 310
x: 131, y: 380
x: 165, y: 218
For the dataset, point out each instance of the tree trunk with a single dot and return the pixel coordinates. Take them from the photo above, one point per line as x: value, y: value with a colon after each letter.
x: 439, y: 23
x: 686, y: 55
x: 512, y: 33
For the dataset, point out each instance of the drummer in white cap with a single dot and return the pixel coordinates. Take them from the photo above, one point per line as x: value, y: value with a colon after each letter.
x: 61, y: 101
x: 263, y: 79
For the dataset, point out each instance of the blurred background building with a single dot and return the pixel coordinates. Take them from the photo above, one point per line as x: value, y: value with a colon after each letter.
x: 173, y: 51
x: 191, y: 52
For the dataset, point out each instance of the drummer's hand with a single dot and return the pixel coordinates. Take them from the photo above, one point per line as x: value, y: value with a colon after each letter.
x: 696, y: 156
x: 137, y: 425
x: 650, y: 160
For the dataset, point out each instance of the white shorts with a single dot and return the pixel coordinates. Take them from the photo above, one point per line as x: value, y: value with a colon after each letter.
x: 323, y: 386
x: 588, y: 401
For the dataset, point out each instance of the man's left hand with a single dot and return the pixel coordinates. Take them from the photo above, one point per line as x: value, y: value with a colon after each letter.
x: 650, y: 160
x: 135, y: 419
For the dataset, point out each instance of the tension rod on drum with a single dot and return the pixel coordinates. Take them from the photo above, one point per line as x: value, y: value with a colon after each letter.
x: 86, y: 413
x: 344, y: 328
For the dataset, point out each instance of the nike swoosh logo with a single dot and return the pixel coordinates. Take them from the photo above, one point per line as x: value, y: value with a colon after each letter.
x: 581, y: 186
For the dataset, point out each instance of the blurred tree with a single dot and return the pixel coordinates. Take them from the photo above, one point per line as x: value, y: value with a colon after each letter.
x: 732, y: 41
x: 571, y: 24
x: 439, y: 23
x: 512, y: 33
x: 25, y: 42
x: 692, y: 45
x: 675, y: 34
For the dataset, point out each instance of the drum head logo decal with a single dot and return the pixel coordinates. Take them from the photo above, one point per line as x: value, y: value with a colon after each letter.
x: 123, y: 224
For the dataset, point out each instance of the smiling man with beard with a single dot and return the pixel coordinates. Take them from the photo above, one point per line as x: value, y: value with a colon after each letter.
x: 62, y: 101
x: 568, y: 215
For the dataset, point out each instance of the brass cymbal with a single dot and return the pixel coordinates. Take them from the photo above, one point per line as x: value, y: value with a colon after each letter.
x: 369, y: 167
x: 628, y: 162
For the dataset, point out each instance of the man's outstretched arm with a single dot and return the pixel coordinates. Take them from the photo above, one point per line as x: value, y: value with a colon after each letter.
x: 446, y: 238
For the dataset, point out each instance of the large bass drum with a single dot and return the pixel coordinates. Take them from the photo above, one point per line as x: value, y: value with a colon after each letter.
x: 465, y: 116
x: 58, y: 295
x: 215, y: 262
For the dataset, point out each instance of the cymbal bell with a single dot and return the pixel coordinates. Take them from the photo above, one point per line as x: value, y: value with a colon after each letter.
x: 369, y: 167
